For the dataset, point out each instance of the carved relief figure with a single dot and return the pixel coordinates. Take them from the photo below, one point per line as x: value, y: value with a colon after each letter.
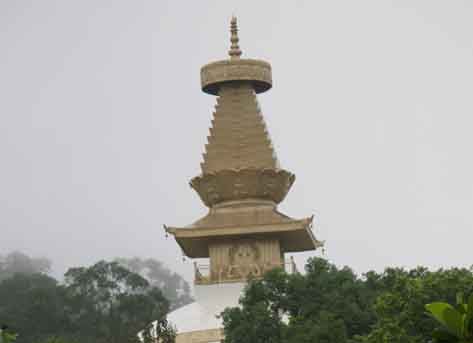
x: 244, y: 261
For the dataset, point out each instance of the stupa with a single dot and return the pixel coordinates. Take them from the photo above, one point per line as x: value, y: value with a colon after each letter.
x: 243, y: 235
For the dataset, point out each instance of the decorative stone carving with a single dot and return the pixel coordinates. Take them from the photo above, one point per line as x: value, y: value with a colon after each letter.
x: 244, y: 261
x: 248, y: 183
x: 238, y: 259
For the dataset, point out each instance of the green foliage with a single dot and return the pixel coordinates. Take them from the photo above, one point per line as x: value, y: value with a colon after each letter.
x: 400, y: 306
x: 103, y: 303
x: 457, y: 323
x: 175, y: 289
x: 33, y: 305
x: 324, y: 305
x: 329, y: 304
x: 6, y: 336
x: 111, y: 304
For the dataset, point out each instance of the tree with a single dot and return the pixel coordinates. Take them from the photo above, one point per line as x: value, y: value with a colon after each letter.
x: 19, y: 263
x: 108, y: 303
x: 333, y: 305
x: 326, y: 304
x: 102, y: 303
x: 173, y: 286
x: 258, y: 320
x: 400, y: 305
x: 33, y: 305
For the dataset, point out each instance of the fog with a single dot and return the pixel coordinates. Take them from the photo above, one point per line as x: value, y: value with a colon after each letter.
x: 102, y: 124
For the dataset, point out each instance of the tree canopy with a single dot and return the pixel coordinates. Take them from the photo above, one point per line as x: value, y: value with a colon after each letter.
x: 333, y: 305
x: 33, y: 305
x: 112, y: 301
x: 105, y: 302
x: 110, y: 304
x: 175, y: 289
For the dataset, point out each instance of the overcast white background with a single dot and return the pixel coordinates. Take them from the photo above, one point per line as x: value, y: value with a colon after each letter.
x: 102, y: 124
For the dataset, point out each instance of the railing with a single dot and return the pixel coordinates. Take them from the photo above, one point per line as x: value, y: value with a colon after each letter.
x: 234, y: 273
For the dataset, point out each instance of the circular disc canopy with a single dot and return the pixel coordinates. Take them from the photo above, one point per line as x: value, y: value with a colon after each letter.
x: 257, y: 72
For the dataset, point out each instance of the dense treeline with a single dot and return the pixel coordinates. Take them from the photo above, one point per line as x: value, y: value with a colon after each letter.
x: 108, y: 302
x: 111, y: 301
x: 332, y: 305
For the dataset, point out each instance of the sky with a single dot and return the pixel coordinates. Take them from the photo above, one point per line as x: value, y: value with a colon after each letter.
x: 103, y: 123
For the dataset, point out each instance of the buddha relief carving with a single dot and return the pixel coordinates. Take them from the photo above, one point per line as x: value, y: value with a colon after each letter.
x: 244, y: 261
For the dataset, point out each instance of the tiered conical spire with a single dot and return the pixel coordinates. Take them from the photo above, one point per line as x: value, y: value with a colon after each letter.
x: 238, y: 137
x: 239, y: 159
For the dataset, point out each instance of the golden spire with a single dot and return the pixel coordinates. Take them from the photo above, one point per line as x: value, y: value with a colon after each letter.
x: 234, y: 51
x: 239, y: 160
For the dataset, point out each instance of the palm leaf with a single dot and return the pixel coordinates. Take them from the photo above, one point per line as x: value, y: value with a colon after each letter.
x: 448, y: 316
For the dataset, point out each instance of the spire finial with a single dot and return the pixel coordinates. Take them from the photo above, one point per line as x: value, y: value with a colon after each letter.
x: 235, y: 51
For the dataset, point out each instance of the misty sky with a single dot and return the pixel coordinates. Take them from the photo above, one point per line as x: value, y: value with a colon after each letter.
x: 102, y: 124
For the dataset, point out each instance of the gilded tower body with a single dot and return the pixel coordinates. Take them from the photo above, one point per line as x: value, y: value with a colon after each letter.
x: 241, y: 183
